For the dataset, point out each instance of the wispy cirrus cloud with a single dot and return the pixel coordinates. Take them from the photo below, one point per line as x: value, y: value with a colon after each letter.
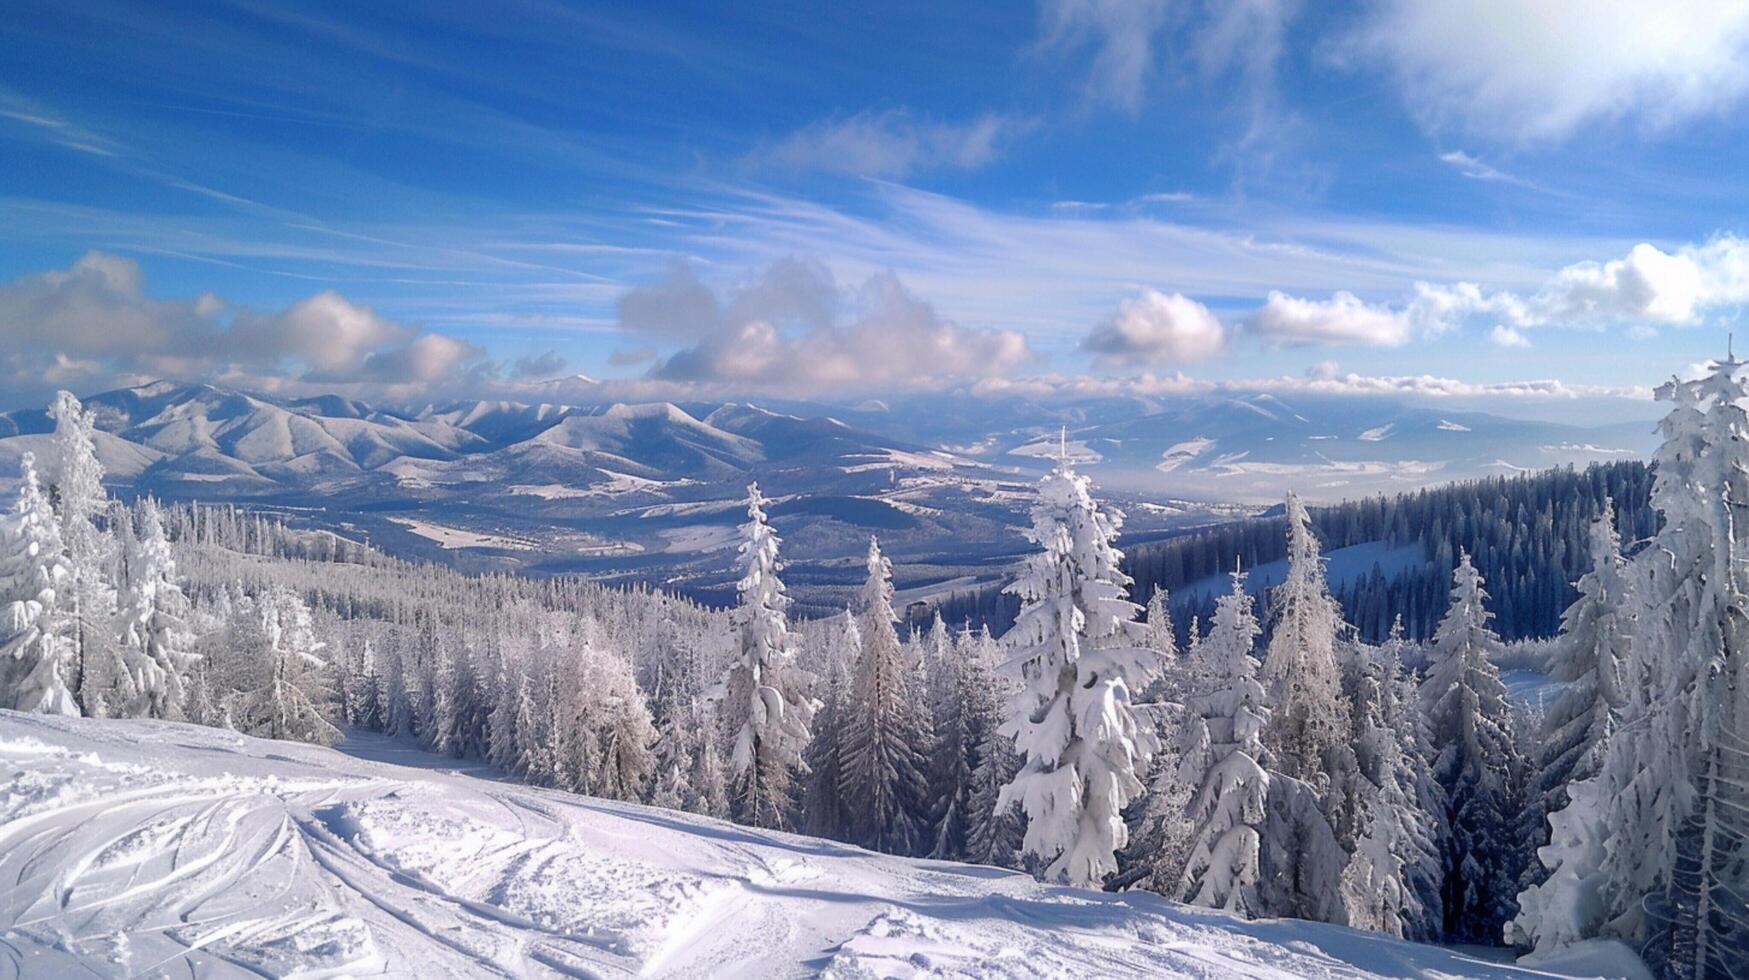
x: 891, y: 143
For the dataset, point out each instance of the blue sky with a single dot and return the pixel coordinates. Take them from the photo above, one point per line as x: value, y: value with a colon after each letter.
x: 1434, y: 197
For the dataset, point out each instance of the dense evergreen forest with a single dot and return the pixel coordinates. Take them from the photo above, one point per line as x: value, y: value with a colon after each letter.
x: 1526, y: 535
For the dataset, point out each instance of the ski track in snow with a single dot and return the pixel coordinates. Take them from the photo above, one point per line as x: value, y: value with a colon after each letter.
x: 156, y: 849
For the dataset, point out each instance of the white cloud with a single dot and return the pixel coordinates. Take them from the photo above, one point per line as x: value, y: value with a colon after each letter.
x: 95, y: 322
x: 892, y: 143
x: 1474, y: 167
x: 1341, y: 319
x: 1322, y: 379
x: 1156, y: 328
x: 1121, y: 35
x: 330, y: 332
x: 1645, y: 289
x: 1505, y: 336
x: 793, y: 328
x: 1165, y: 197
x: 1648, y: 284
x: 1541, y: 70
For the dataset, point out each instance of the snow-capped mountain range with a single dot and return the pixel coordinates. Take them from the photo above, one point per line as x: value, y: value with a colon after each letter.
x: 651, y: 490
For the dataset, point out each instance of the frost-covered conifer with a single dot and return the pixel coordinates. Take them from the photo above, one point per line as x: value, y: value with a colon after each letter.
x: 1389, y: 875
x: 1308, y: 727
x: 622, y: 720
x: 158, y: 645
x: 1476, y: 756
x: 766, y: 706
x: 1221, y: 752
x: 1672, y: 796
x: 710, y: 779
x: 289, y: 698
x: 1588, y: 659
x: 882, y: 784
x: 36, y: 647
x: 674, y: 749
x: 1076, y: 653
x: 824, y: 802
x: 104, y: 685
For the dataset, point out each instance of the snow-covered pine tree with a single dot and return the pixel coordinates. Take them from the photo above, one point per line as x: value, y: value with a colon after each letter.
x: 441, y: 728
x: 882, y: 785
x: 823, y: 803
x: 289, y: 698
x: 953, y: 751
x: 1476, y: 755
x: 158, y: 642
x: 1389, y: 874
x: 1076, y: 654
x: 1161, y: 638
x: 103, y: 684
x: 1588, y: 659
x: 1612, y: 850
x: 36, y: 647
x: 1221, y: 753
x: 1160, y: 826
x: 766, y: 707
x: 993, y: 830
x: 622, y: 721
x: 674, y: 748
x: 1308, y: 727
x: 530, y: 728
x: 710, y: 777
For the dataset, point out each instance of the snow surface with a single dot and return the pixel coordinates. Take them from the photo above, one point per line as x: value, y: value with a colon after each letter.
x: 151, y: 848
x: 455, y: 537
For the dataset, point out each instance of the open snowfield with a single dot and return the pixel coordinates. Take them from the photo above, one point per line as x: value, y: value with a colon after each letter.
x: 155, y: 849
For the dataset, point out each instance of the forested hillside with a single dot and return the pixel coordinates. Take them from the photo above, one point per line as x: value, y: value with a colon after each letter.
x: 1526, y: 534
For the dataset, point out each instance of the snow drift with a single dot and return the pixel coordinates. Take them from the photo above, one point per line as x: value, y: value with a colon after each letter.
x: 134, y: 848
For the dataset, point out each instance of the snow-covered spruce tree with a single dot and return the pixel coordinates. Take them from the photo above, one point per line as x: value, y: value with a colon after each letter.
x: 1161, y: 639
x: 1614, y: 850
x: 882, y: 783
x: 1161, y: 828
x: 1390, y: 873
x: 364, y: 698
x: 1159, y: 822
x: 710, y: 777
x: 674, y: 749
x: 36, y: 648
x: 766, y: 706
x: 1308, y: 729
x: 623, y: 727
x: 158, y: 644
x: 1697, y: 918
x: 443, y: 721
x: 1076, y: 654
x: 953, y: 751
x: 103, y: 683
x: 289, y: 697
x: 1221, y: 753
x: 1475, y: 758
x: 993, y: 829
x: 823, y: 803
x: 531, y: 727
x: 1588, y: 659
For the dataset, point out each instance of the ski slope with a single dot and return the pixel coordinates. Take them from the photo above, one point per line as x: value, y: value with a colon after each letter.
x: 156, y: 849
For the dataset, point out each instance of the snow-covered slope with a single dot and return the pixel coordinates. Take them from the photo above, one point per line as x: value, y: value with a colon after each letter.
x: 140, y: 848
